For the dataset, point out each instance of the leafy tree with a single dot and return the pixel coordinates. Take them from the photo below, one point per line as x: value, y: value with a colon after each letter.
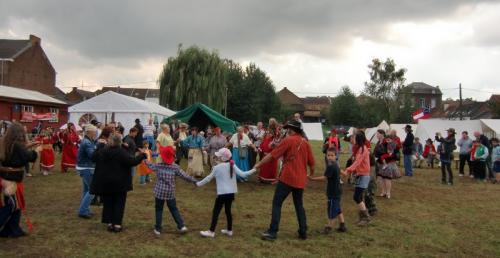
x: 372, y: 112
x: 251, y: 96
x: 345, y: 109
x: 386, y: 83
x: 495, y: 108
x: 194, y: 75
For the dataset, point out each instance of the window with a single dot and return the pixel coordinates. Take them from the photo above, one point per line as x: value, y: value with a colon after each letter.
x: 27, y: 108
x: 56, y: 118
x: 433, y: 103
x: 422, y: 102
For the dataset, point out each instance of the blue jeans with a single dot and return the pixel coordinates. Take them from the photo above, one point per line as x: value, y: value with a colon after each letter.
x: 144, y: 179
x: 152, y: 142
x: 86, y: 175
x: 172, y: 207
x: 408, y: 165
x: 280, y: 194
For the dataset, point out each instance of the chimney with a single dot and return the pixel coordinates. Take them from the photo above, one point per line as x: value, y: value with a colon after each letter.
x: 35, y: 40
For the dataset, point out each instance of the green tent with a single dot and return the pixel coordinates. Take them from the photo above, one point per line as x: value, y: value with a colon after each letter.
x: 201, y: 116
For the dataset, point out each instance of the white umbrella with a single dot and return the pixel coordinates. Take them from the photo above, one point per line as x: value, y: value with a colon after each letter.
x: 77, y: 127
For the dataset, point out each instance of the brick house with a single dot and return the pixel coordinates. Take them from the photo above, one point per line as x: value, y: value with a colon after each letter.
x: 312, y: 109
x: 424, y: 95
x: 15, y: 101
x: 25, y: 65
x: 76, y: 95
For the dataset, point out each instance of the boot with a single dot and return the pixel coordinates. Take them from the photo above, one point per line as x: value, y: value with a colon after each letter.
x: 364, y: 218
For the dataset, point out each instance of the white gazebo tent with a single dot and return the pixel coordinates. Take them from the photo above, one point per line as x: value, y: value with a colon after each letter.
x: 111, y: 106
x: 313, y: 131
x: 427, y: 128
x: 370, y: 132
x: 491, y: 127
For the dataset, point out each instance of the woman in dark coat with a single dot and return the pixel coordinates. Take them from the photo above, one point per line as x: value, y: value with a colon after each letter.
x: 15, y: 153
x: 112, y: 180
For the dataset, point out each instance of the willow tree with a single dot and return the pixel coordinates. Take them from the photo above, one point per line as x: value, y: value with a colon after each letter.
x: 194, y: 75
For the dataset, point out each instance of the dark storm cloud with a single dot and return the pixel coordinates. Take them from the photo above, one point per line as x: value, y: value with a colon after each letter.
x: 141, y: 29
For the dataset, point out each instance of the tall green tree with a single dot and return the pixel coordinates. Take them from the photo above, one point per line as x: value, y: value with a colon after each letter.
x: 251, y: 94
x: 372, y: 112
x: 345, y: 109
x: 194, y: 75
x: 385, y: 85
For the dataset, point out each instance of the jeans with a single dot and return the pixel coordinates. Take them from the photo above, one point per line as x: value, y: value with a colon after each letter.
x: 408, y: 165
x: 144, y: 179
x: 446, y: 166
x: 152, y: 142
x: 225, y: 200
x: 172, y: 207
x: 280, y: 194
x: 113, y: 207
x: 86, y: 199
x: 10, y: 218
x: 464, y: 158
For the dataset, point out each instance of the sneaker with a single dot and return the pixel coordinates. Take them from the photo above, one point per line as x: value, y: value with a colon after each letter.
x: 471, y: 176
x: 157, y: 232
x: 45, y: 173
x: 226, y: 232
x: 450, y: 183
x: 29, y: 175
x: 461, y: 175
x: 183, y: 230
x: 302, y: 236
x: 268, y: 236
x: 85, y: 216
x: 207, y: 233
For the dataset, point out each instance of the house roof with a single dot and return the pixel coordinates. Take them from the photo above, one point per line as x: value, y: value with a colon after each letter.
x: 495, y: 98
x: 140, y: 93
x: 10, y: 48
x: 60, y: 95
x: 22, y: 94
x: 323, y: 100
x: 470, y: 109
x: 86, y: 94
x: 420, y: 87
x: 287, y: 97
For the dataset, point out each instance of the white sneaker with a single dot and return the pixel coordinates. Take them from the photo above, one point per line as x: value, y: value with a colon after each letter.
x: 183, y: 229
x: 157, y: 233
x: 207, y: 233
x: 227, y: 232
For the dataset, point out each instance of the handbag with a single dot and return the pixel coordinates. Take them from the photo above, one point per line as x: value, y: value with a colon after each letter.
x: 243, y: 152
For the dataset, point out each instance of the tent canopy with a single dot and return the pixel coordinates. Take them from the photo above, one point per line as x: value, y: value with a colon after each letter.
x: 427, y: 128
x: 115, y: 102
x: 201, y: 116
x: 491, y: 127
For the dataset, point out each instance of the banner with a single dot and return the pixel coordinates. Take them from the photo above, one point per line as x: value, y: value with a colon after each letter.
x: 29, y: 116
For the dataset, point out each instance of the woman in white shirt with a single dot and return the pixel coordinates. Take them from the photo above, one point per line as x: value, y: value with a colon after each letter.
x: 225, y: 176
x: 240, y: 143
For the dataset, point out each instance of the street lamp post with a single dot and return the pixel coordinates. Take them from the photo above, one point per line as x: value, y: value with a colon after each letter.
x: 2, y: 60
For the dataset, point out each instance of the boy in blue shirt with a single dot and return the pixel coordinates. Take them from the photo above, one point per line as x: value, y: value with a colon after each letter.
x: 333, y: 192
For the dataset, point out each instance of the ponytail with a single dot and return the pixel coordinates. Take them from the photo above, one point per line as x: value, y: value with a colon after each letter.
x: 231, y: 164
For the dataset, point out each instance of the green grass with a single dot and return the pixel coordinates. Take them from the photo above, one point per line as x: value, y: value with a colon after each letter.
x: 423, y: 219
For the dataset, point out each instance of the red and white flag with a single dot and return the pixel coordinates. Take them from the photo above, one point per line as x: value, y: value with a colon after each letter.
x: 422, y: 113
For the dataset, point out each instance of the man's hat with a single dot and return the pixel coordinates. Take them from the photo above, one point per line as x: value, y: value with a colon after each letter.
x: 167, y: 154
x: 408, y: 127
x: 451, y: 130
x: 293, y: 124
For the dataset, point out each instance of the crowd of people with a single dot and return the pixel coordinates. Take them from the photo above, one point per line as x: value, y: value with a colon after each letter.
x: 108, y: 160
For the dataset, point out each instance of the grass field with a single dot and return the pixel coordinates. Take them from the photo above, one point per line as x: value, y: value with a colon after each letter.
x: 423, y: 219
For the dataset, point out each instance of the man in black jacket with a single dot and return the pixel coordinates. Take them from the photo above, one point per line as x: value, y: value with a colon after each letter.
x: 408, y: 151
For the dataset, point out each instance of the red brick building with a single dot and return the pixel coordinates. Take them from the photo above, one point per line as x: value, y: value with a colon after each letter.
x: 25, y: 65
x: 14, y: 102
x: 424, y: 95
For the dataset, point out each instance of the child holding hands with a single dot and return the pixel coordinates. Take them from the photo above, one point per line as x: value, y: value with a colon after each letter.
x: 333, y: 192
x: 164, y: 190
x: 225, y: 175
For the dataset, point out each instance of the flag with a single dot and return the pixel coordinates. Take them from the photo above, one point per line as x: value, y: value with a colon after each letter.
x: 422, y: 113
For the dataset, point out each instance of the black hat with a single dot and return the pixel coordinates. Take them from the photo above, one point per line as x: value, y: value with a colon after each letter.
x: 408, y: 127
x: 451, y: 130
x: 137, y: 120
x: 294, y: 124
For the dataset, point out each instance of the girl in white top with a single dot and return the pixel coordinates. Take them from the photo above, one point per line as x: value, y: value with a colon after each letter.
x: 225, y: 177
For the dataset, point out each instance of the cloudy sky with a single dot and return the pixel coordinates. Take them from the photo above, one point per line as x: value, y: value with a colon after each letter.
x: 311, y: 47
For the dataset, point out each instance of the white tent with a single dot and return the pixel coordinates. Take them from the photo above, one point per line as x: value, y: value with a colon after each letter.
x: 401, y: 133
x: 371, y: 132
x: 427, y: 128
x: 314, y: 131
x: 112, y: 106
x: 491, y: 127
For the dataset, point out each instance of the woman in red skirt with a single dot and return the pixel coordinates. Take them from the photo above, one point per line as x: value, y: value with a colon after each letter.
x: 268, y: 171
x: 69, y: 140
x: 47, y: 152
